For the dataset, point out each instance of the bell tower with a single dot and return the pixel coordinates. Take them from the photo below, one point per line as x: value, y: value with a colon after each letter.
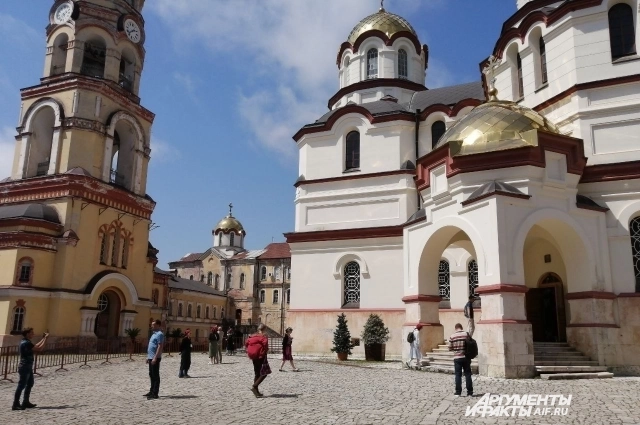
x: 81, y: 156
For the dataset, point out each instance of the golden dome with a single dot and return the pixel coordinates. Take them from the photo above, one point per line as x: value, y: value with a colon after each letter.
x: 227, y: 224
x: 494, y: 126
x: 382, y: 20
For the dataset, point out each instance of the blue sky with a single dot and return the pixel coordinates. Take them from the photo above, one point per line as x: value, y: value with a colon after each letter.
x: 230, y: 82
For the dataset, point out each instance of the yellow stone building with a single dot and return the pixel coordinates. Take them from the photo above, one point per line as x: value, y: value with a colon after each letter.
x: 75, y: 257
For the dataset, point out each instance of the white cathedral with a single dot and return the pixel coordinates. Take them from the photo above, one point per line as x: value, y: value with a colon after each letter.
x: 521, y: 189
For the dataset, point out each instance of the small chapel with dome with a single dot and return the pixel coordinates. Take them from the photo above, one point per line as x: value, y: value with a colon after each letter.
x: 519, y: 191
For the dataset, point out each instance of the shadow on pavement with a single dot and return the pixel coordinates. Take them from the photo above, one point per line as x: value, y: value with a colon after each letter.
x: 177, y: 397
x: 283, y: 396
x: 57, y: 407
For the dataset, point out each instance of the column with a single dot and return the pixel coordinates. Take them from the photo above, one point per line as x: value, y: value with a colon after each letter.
x: 55, y: 150
x: 88, y: 321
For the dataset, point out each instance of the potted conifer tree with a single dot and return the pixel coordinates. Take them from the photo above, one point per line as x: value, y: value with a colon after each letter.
x: 375, y: 335
x: 342, y: 339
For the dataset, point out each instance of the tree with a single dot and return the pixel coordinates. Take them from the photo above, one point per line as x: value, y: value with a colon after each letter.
x: 374, y: 331
x: 132, y: 333
x: 342, y: 337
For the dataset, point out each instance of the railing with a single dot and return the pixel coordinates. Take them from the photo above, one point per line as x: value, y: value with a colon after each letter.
x: 60, y: 355
x: 125, y: 82
x: 42, y: 169
x: 117, y: 178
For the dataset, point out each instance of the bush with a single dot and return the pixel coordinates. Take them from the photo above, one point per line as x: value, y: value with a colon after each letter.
x: 342, y: 337
x: 374, y: 331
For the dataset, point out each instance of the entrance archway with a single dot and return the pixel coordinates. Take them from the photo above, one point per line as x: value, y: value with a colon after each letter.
x: 238, y: 316
x: 546, y: 309
x: 108, y: 319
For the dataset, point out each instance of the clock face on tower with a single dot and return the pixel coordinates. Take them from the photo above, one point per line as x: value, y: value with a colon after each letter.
x: 63, y: 13
x: 132, y: 30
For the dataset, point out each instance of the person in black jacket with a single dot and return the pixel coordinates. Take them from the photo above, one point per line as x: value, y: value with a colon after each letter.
x: 185, y: 355
x: 214, y: 340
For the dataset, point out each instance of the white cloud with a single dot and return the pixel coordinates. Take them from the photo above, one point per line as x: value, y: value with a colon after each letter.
x: 17, y: 32
x: 162, y: 152
x: 291, y: 44
x: 185, y: 81
x: 7, y: 147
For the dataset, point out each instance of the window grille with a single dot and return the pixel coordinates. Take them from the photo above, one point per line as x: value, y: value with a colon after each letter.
x: 543, y: 61
x: 403, y: 71
x: 444, y: 284
x: 621, y: 31
x: 25, y: 272
x: 209, y: 278
x: 18, y: 319
x: 275, y: 296
x: 114, y: 249
x: 263, y: 273
x: 372, y: 63
x: 352, y: 283
x: 472, y: 272
x: 231, y: 238
x: 103, y: 302
x: 634, y: 228
x: 352, y: 151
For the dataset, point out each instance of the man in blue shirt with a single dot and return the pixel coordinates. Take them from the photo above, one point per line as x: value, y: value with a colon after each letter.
x: 25, y: 368
x: 154, y: 355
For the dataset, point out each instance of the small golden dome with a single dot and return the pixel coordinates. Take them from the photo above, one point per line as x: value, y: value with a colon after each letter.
x: 382, y: 20
x: 227, y: 224
x: 494, y: 126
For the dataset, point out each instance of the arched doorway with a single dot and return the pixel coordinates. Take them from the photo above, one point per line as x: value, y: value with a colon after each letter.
x: 546, y: 310
x: 108, y: 319
x: 238, y: 316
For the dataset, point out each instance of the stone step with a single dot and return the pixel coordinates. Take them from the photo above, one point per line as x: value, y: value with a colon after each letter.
x: 568, y: 351
x: 551, y: 344
x: 595, y: 375
x: 577, y: 357
x: 565, y: 363
x: 566, y: 369
x: 554, y: 349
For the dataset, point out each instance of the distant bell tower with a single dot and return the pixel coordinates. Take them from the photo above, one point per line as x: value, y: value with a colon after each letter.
x: 74, y: 214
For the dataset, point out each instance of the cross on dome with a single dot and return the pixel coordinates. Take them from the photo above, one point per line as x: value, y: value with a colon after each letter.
x: 230, y: 208
x: 489, y: 72
x: 382, y: 6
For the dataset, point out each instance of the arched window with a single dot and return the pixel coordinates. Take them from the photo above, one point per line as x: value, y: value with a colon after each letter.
x: 228, y: 282
x: 104, y: 249
x: 263, y: 273
x: 634, y: 230
x: 231, y: 238
x: 275, y: 296
x: 180, y: 310
x: 215, y: 312
x: 262, y: 295
x: 222, y: 313
x: 115, y: 249
x: 189, y: 307
x: 346, y: 73
x: 25, y: 272
x: 40, y: 142
x: 372, y: 63
x: 220, y: 239
x: 621, y: 31
x: 206, y: 312
x: 519, y: 71
x: 170, y: 308
x: 18, y: 319
x: 277, y: 271
x: 217, y: 282
x: 403, y: 68
x: 155, y: 296
x: 190, y: 277
x: 438, y: 128
x: 444, y: 285
x: 94, y: 58
x: 125, y: 252
x: 198, y: 311
x: 352, y: 151
x: 543, y: 61
x: 288, y: 296
x: 127, y: 70
x: 210, y: 278
x: 59, y: 54
x: 472, y: 277
x: 352, y: 285
x: 241, y: 280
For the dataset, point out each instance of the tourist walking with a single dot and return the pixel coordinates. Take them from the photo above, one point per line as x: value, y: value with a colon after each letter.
x: 468, y: 313
x: 185, y: 354
x: 414, y: 346
x: 25, y: 368
x: 220, y: 338
x: 154, y: 356
x: 214, y: 339
x: 287, y: 340
x: 257, y: 347
x: 457, y: 344
x: 231, y: 344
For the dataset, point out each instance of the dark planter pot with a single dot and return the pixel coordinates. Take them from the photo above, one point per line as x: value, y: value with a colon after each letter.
x: 374, y: 352
x: 343, y: 356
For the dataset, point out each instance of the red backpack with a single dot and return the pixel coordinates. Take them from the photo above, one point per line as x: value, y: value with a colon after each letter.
x: 255, y: 346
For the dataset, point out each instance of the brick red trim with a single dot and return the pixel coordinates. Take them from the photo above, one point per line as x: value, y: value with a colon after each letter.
x: 375, y: 82
x: 529, y: 155
x: 32, y: 222
x: 629, y: 295
x: 422, y: 323
x: 421, y: 298
x: 40, y: 241
x: 611, y: 172
x: 501, y: 288
x: 593, y: 325
x: 503, y: 321
x: 599, y: 295
x: 377, y: 33
x: 89, y: 189
x: 354, y: 176
x: 343, y: 310
x: 344, y: 234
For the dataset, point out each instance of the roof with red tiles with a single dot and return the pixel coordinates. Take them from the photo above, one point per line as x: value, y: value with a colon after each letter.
x: 276, y: 250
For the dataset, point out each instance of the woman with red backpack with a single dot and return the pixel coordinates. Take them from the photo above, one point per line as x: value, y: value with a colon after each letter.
x: 257, y: 347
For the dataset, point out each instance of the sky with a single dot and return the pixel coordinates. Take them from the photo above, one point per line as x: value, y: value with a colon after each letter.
x: 230, y: 82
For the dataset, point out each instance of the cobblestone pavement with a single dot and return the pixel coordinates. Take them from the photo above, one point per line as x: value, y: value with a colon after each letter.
x: 322, y: 393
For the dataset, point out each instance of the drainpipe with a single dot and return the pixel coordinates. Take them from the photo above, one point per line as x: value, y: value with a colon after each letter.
x: 417, y: 131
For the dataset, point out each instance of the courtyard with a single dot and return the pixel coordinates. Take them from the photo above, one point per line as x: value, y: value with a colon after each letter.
x: 322, y: 393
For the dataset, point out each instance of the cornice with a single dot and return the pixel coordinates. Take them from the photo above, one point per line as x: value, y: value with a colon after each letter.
x: 372, y: 83
x: 86, y: 188
x: 353, y: 176
x: 28, y: 240
x: 345, y: 234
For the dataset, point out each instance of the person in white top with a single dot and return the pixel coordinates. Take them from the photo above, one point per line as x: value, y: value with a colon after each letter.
x: 415, y: 346
x: 221, y: 336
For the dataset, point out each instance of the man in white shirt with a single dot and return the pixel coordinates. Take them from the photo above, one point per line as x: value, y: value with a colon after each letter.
x: 415, y: 346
